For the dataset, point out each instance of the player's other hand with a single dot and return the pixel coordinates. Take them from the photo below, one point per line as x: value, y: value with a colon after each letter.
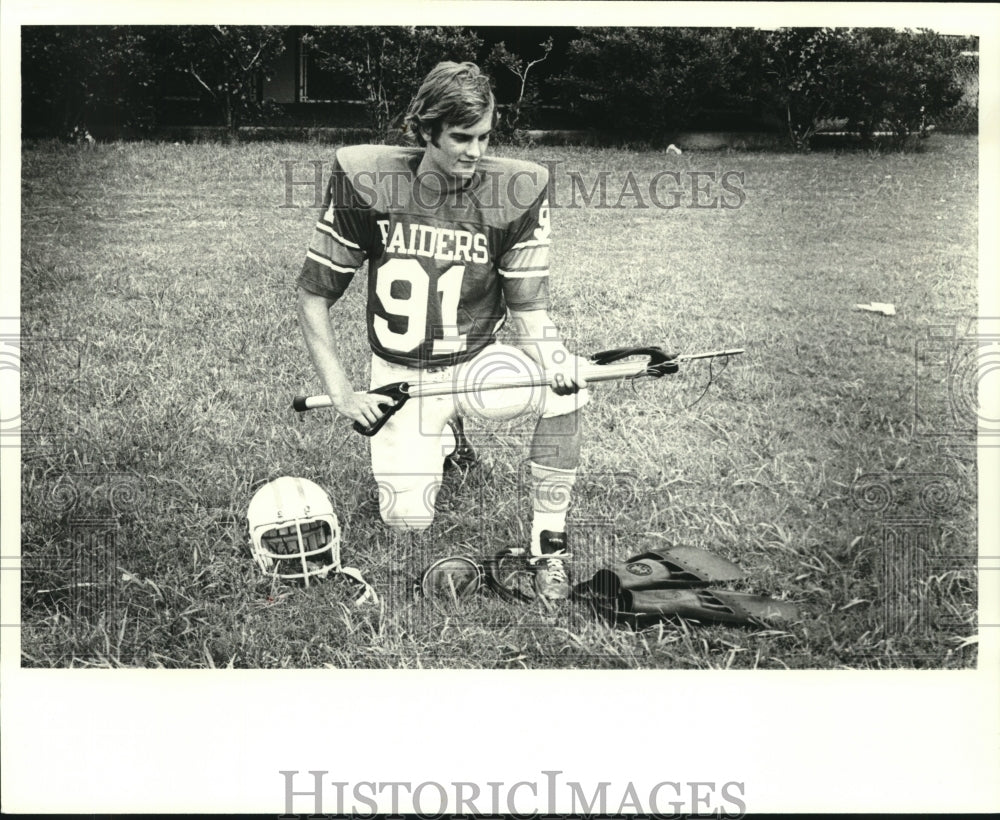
x: 566, y: 377
x: 363, y: 408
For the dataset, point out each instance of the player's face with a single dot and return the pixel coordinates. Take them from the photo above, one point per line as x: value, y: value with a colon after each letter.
x: 459, y: 148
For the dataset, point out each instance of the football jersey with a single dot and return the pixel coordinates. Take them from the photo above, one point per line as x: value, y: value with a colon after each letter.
x: 443, y: 267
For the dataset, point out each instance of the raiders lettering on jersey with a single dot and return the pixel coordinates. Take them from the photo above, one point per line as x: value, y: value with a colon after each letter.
x: 440, y: 244
x: 440, y: 280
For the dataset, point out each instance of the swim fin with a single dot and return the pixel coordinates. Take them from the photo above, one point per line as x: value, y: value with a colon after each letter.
x: 723, y: 606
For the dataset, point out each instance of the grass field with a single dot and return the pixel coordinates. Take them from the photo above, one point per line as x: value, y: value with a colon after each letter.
x: 161, y: 352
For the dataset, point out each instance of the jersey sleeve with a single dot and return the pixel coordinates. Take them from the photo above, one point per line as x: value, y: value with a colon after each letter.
x: 339, y: 241
x: 524, y: 264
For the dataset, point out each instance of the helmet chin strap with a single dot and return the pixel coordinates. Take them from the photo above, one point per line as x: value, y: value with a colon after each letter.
x: 369, y: 596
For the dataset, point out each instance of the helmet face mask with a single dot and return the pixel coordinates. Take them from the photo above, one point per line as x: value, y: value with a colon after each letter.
x: 294, y: 533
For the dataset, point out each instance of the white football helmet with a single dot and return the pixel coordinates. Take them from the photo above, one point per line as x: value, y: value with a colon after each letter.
x: 294, y: 532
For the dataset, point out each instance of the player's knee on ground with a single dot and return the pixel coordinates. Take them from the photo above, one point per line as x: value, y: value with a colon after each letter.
x: 404, y: 523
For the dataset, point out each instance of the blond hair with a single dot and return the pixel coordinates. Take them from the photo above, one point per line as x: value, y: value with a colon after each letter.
x: 451, y: 94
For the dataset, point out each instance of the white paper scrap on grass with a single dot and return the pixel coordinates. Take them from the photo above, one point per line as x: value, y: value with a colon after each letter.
x: 886, y: 308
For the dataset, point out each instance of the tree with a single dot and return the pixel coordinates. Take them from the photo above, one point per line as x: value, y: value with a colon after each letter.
x: 639, y: 83
x: 224, y: 64
x: 868, y: 79
x: 804, y: 72
x: 78, y: 79
x: 518, y: 112
x: 900, y: 81
x: 387, y: 64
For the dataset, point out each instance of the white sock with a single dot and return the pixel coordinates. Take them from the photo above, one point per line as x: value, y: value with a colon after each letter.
x: 550, y: 500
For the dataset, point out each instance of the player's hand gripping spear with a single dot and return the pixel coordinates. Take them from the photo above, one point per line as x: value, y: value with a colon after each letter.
x: 607, y: 366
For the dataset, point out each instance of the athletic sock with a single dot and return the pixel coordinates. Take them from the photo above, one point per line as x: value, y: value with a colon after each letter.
x: 550, y: 499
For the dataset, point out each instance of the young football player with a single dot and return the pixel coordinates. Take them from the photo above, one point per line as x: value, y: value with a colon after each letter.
x: 457, y: 245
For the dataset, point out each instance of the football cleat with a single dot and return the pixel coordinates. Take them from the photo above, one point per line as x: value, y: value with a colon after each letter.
x: 552, y: 581
x: 463, y: 457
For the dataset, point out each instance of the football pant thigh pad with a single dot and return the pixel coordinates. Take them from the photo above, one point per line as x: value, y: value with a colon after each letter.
x: 499, y: 363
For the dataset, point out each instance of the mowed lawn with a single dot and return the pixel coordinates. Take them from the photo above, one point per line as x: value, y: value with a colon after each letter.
x: 161, y: 353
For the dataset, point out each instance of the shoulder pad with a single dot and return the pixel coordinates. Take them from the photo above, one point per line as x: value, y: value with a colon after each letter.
x: 356, y: 158
x: 527, y: 180
x: 370, y: 167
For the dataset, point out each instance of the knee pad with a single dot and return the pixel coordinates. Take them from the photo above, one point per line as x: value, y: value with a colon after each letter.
x: 410, y: 507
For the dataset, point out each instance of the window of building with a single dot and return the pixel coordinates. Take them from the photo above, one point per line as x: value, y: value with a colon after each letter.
x: 319, y: 84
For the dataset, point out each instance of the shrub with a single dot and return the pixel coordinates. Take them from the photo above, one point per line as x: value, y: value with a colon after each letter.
x: 517, y: 118
x: 388, y: 63
x: 963, y: 117
x: 869, y: 79
x: 899, y: 81
x: 802, y: 74
x: 639, y: 83
x: 222, y: 64
x: 78, y: 79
